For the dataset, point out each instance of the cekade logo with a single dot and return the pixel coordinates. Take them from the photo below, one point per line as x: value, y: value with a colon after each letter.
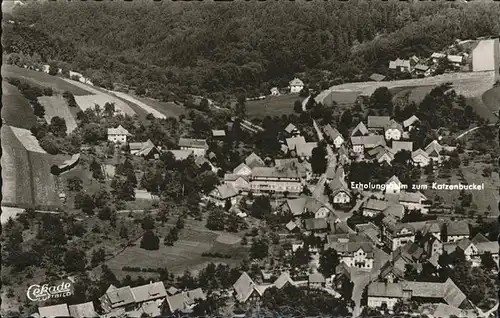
x: 49, y: 291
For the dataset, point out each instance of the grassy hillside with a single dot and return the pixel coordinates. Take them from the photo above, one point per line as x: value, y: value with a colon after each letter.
x: 491, y: 98
x: 16, y: 110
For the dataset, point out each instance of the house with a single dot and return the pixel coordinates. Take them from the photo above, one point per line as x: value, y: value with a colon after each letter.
x: 393, y: 185
x: 443, y: 310
x: 395, y: 210
x: 304, y: 150
x: 355, y: 254
x: 398, y: 146
x: 316, y: 280
x: 422, y: 69
x: 484, y: 245
x: 146, y: 149
x: 360, y: 130
x: 378, y: 122
x: 390, y: 273
x: 184, y: 302
x: 316, y: 225
x: 420, y: 158
x: 180, y: 155
x: 223, y: 193
x: 398, y: 234
x: 307, y: 206
x: 369, y: 231
x: 198, y: 147
x: 118, y: 134
x: 149, y: 297
x: 296, y: 85
x: 377, y: 77
x: 446, y: 292
x: 382, y: 154
x: 272, y: 179
x: 400, y: 65
x: 291, y: 129
x: 70, y: 163
x: 384, y: 293
x: 84, y: 310
x: 410, y: 122
x: 283, y: 280
x: 117, y: 298
x: 245, y: 289
x: 433, y: 246
x: 360, y: 144
x: 457, y: 230
x: 218, y: 134
x: 242, y: 170
x: 410, y: 200
x: 303, y: 168
x: 373, y: 207
x: 393, y: 130
x: 433, y: 150
x: 339, y: 191
x: 333, y: 135
x: 437, y: 56
x: 275, y: 91
x: 253, y: 160
x: 60, y: 310
x: 455, y: 60
x: 486, y: 56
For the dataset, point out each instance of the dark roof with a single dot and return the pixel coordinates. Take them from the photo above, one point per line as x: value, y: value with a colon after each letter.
x: 316, y: 224
x: 389, y: 290
x: 193, y: 143
x: 457, y: 228
x: 378, y: 121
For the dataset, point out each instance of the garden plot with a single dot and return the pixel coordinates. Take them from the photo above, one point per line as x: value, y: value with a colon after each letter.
x: 57, y: 106
x: 29, y: 142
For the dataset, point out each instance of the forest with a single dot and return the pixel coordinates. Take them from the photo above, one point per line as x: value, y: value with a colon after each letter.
x: 172, y: 49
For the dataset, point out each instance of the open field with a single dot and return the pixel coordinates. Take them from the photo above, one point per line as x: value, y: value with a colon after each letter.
x: 412, y: 94
x: 184, y: 255
x: 16, y: 110
x: 487, y: 197
x: 491, y: 98
x: 29, y: 141
x: 169, y: 109
x: 272, y: 105
x: 58, y: 84
x: 137, y: 102
x: 341, y: 98
x: 57, y: 106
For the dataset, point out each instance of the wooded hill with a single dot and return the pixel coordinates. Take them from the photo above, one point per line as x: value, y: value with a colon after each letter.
x: 209, y: 48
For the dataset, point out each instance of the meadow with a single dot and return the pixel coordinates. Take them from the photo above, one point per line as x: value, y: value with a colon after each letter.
x: 57, y: 106
x: 16, y: 110
x: 272, y: 106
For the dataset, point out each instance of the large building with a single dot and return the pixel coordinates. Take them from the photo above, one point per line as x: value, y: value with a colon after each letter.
x: 486, y: 56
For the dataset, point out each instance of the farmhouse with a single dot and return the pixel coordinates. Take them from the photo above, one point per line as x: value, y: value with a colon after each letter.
x: 446, y: 292
x: 306, y: 206
x: 334, y: 136
x: 398, y: 146
x: 400, y: 65
x: 246, y: 290
x: 380, y: 293
x: 378, y: 122
x: 146, y: 149
x: 254, y: 161
x: 118, y: 134
x: 360, y: 144
x: 339, y: 191
x: 393, y: 185
x: 433, y: 150
x: 382, y: 154
x: 184, y: 302
x: 457, y: 230
x: 296, y: 85
x: 420, y: 158
x: 60, y: 310
x: 223, y: 193
x: 410, y: 200
x: 372, y: 207
x: 197, y: 147
x: 486, y: 56
x: 239, y: 182
x: 410, y: 122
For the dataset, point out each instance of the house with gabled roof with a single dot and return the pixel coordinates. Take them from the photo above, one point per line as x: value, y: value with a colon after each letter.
x: 222, y: 193
x: 393, y: 185
x: 377, y: 77
x: 291, y: 129
x: 242, y: 170
x: 275, y: 179
x: 306, y: 206
x: 316, y: 280
x: 60, y: 310
x: 400, y: 65
x: 393, y: 130
x: 118, y: 134
x: 198, y: 147
x: 83, y: 310
x: 420, y: 158
x: 398, y: 146
x: 360, y: 130
x: 390, y: 273
x: 373, y: 207
x: 304, y: 150
x: 284, y: 280
x: 184, y: 302
x: 296, y: 85
x: 422, y: 69
x: 457, y: 230
x: 245, y: 289
x: 382, y: 154
x: 446, y: 292
x: 333, y: 135
x: 433, y: 150
x: 146, y: 149
x: 384, y: 293
x: 117, y: 298
x: 360, y: 144
x: 253, y: 161
x: 339, y: 191
x: 355, y: 254
x: 378, y: 122
x: 240, y: 183
x: 316, y: 225
x: 410, y: 200
x: 371, y: 232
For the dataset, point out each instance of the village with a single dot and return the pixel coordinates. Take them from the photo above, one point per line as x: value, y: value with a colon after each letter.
x: 353, y: 206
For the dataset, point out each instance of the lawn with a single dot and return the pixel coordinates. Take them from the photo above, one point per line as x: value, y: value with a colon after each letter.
x: 42, y: 79
x: 169, y: 109
x: 29, y: 142
x: 57, y: 106
x: 272, y: 106
x: 488, y: 196
x: 186, y: 254
x: 411, y: 94
x: 491, y: 99
x: 16, y: 110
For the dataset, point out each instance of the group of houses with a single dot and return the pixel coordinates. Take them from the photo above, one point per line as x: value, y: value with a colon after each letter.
x: 294, y: 86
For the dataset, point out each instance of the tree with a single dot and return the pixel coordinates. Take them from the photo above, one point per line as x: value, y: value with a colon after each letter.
x: 75, y: 184
x: 53, y: 68
x: 148, y: 223
x: 444, y: 233
x: 96, y: 170
x: 381, y: 99
x: 328, y: 261
x: 297, y: 107
x: 106, y: 213
x: 215, y: 220
x: 261, y: 207
x: 319, y: 161
x: 87, y: 204
x: 150, y: 241
x: 241, y: 107
x: 75, y: 260
x: 487, y: 261
x: 58, y: 126
x: 98, y: 256
x: 140, y: 90
x: 109, y: 109
x: 259, y: 249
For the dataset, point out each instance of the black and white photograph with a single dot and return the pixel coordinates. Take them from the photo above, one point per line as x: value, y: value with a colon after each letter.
x: 250, y: 159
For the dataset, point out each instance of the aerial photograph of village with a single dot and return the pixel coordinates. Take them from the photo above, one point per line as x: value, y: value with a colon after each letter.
x: 250, y: 159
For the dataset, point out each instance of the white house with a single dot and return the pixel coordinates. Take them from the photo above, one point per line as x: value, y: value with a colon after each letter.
x: 393, y: 185
x: 275, y: 91
x: 384, y: 293
x: 420, y: 158
x: 240, y: 183
x: 223, y: 193
x: 354, y: 254
x: 334, y: 136
x: 393, y: 130
x: 197, y: 147
x: 457, y: 230
x: 340, y: 192
x: 359, y: 144
x: 296, y: 85
x: 242, y: 170
x: 433, y: 150
x: 118, y: 134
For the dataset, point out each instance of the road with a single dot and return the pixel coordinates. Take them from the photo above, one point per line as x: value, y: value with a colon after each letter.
x: 470, y: 130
